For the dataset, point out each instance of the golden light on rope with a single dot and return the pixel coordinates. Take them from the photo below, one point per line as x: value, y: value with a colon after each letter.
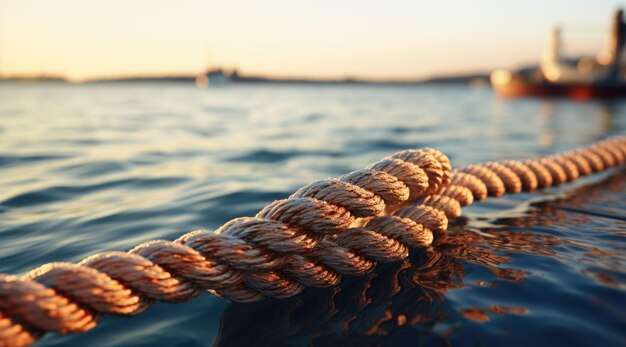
x: 327, y: 229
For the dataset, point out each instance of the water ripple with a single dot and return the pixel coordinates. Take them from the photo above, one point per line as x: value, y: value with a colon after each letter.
x: 88, y: 168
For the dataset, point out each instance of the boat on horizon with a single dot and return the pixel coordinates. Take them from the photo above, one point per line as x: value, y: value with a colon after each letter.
x: 580, y: 78
x: 215, y: 77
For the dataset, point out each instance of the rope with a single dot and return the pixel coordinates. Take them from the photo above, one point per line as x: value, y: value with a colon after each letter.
x: 327, y: 229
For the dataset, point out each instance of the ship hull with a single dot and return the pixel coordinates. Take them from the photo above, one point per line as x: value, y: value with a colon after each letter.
x: 518, y: 86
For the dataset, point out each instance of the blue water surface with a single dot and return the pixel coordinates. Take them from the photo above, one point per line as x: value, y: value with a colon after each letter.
x: 95, y: 167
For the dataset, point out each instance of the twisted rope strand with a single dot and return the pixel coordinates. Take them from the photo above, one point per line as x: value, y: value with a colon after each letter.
x: 245, y: 260
x: 324, y: 230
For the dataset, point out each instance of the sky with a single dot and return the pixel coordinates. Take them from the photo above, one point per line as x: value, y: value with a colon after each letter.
x: 402, y: 39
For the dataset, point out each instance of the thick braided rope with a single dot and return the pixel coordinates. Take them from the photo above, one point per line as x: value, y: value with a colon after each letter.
x: 327, y: 229
x: 288, y: 245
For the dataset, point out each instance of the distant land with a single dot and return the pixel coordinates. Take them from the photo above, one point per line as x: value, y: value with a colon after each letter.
x: 42, y: 78
x: 235, y: 77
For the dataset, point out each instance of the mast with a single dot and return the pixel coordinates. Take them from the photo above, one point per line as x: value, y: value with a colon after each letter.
x: 616, y: 44
x: 550, y: 61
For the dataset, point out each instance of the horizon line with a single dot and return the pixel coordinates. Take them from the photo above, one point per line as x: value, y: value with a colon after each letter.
x: 269, y: 76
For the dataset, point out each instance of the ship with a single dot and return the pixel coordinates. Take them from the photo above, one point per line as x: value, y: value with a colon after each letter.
x: 215, y: 77
x: 582, y: 78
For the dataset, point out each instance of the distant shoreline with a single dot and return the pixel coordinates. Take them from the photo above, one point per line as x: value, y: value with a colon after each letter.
x: 451, y: 79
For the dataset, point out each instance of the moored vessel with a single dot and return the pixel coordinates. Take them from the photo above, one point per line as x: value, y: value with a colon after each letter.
x: 581, y: 78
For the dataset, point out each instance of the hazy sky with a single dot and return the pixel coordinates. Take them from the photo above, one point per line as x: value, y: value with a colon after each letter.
x: 375, y: 39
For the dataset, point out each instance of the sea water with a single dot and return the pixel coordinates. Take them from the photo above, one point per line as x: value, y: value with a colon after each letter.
x: 97, y: 167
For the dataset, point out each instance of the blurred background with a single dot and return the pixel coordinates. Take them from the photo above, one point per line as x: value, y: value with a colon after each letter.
x: 128, y: 121
x: 403, y: 40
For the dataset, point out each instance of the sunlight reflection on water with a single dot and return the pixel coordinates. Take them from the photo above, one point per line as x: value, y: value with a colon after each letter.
x: 87, y: 168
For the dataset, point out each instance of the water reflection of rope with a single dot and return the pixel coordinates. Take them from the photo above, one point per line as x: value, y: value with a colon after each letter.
x: 405, y: 300
x: 327, y: 229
